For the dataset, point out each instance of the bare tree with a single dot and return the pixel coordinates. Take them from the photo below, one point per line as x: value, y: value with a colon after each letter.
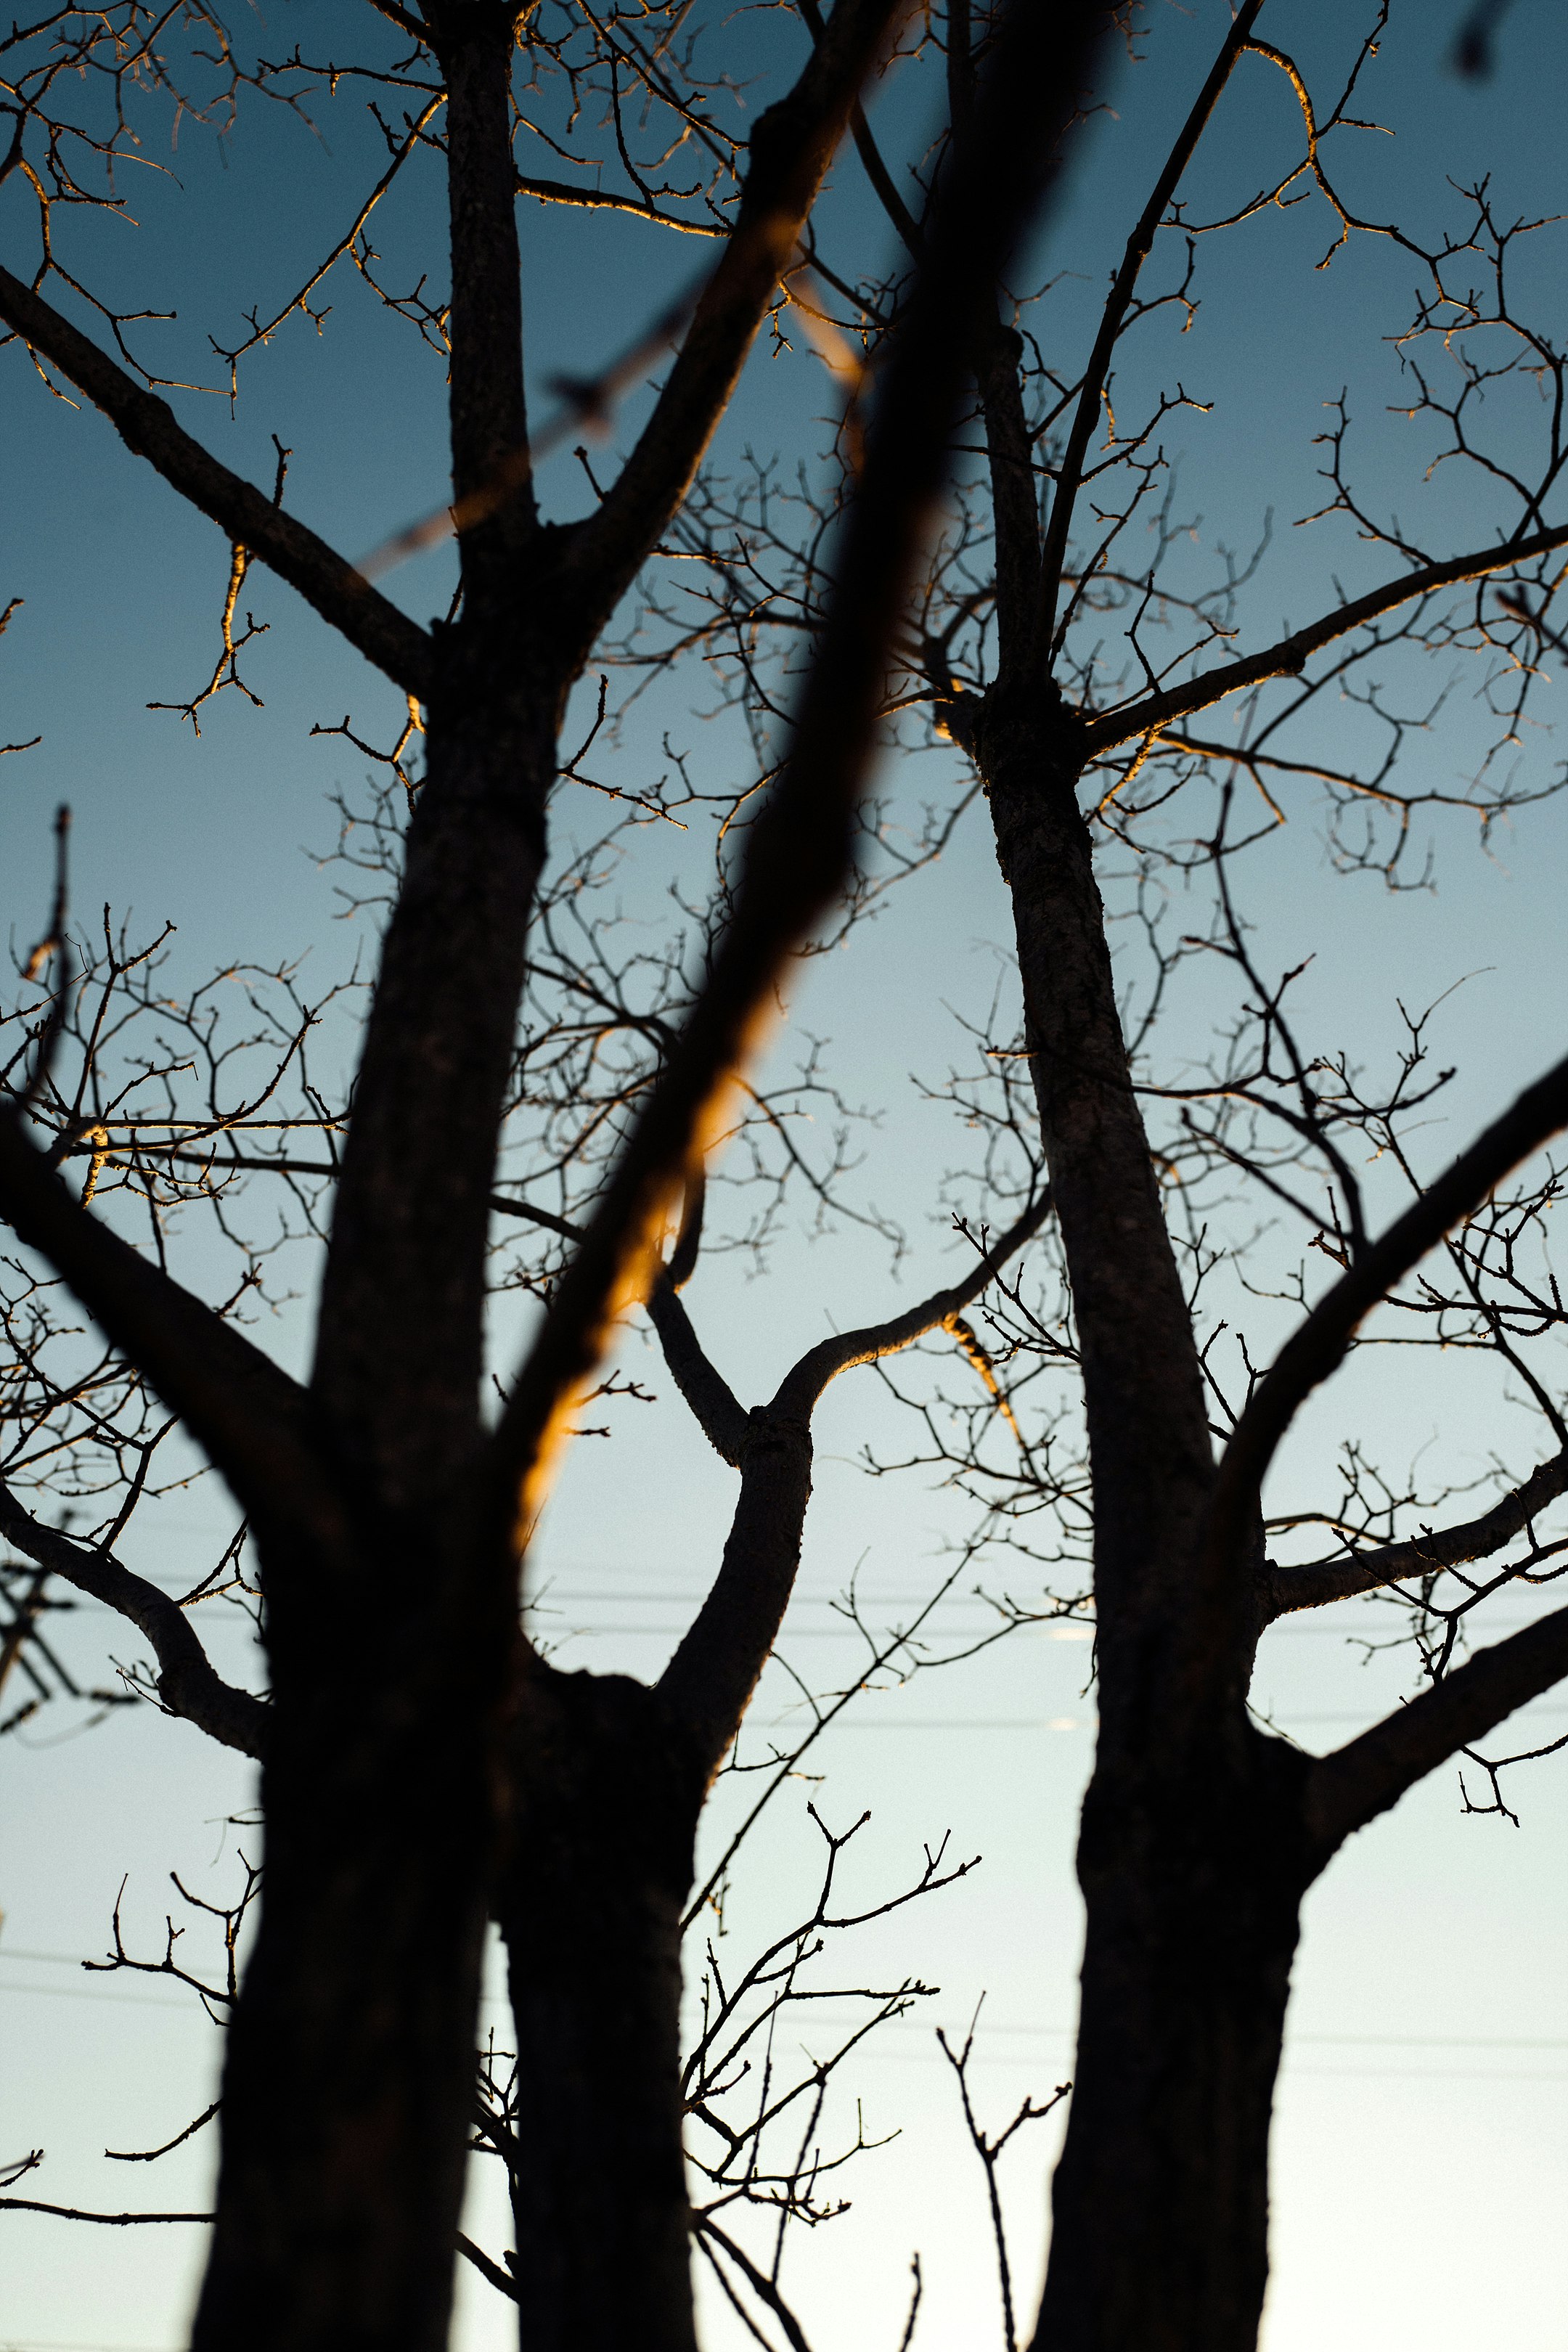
x: 1107, y: 1434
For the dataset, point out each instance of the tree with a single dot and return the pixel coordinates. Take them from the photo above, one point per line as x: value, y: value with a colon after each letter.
x: 1071, y: 673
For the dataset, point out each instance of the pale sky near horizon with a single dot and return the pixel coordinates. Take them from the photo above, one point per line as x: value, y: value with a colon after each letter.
x: 1421, y: 2143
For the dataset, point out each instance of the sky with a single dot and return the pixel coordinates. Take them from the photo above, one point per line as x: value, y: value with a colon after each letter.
x: 1421, y: 2145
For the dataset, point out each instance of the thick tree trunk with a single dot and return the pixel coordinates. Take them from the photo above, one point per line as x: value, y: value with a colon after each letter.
x: 400, y: 1342
x: 1148, y: 1430
x: 590, y: 1907
x: 1192, y: 1882
x: 1190, y: 1859
x: 348, y: 2086
x: 348, y: 2081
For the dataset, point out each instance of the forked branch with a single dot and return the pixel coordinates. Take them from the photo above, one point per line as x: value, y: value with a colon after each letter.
x: 1318, y: 1581
x: 1319, y: 1346
x: 1290, y: 655
x: 1353, y: 1786
x: 147, y: 425
x: 709, y: 1680
x: 187, y: 1683
x: 246, y: 1413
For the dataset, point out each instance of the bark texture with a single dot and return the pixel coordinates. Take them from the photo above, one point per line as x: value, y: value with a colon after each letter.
x: 1193, y: 1873
x: 349, y: 2066
x: 608, y: 1791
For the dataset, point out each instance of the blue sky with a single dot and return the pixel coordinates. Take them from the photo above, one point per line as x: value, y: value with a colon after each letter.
x: 1420, y: 2146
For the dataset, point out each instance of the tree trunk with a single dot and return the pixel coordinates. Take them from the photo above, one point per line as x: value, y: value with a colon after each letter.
x: 348, y: 2079
x: 1149, y: 1448
x: 590, y: 1908
x: 1193, y: 1881
x: 1191, y: 1857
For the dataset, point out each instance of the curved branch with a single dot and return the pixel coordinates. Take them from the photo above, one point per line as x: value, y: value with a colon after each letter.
x: 709, y: 1682
x: 801, y: 845
x: 1319, y: 1344
x: 870, y: 154
x: 1289, y: 656
x: 791, y: 149
x: 1322, y: 1581
x: 187, y: 1684
x: 723, y: 1419
x: 147, y: 425
x: 1353, y: 1786
x: 1069, y: 479
x: 245, y: 1412
x: 799, y: 1389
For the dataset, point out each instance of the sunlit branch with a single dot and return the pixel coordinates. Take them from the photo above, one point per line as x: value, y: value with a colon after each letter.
x: 1289, y: 655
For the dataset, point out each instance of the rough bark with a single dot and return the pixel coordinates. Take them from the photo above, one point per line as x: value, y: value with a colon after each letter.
x: 349, y: 2068
x: 1191, y: 1871
x: 608, y: 1793
x: 1193, y: 1878
x: 1148, y: 1431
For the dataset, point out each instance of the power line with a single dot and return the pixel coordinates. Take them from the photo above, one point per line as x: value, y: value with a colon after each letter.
x: 905, y: 2026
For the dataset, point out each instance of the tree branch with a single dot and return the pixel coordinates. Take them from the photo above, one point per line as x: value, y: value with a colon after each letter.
x: 246, y: 1413
x: 187, y: 1683
x: 758, y: 2281
x: 791, y: 149
x: 709, y: 1680
x: 561, y: 191
x: 723, y: 1419
x: 1139, y: 245
x: 800, y: 848
x: 1319, y: 1344
x: 799, y: 1389
x: 147, y: 425
x: 503, y: 2280
x: 75, y: 2214
x: 1350, y: 1788
x: 870, y: 154
x: 1318, y: 1581
x: 1290, y: 655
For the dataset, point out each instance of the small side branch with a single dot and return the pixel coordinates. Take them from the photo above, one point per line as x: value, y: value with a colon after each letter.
x: 503, y: 2280
x: 187, y: 1684
x: 247, y: 1414
x: 990, y: 2152
x: 148, y: 426
x: 1350, y: 1788
x: 1319, y: 1581
x: 1289, y: 657
x: 1319, y: 1346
